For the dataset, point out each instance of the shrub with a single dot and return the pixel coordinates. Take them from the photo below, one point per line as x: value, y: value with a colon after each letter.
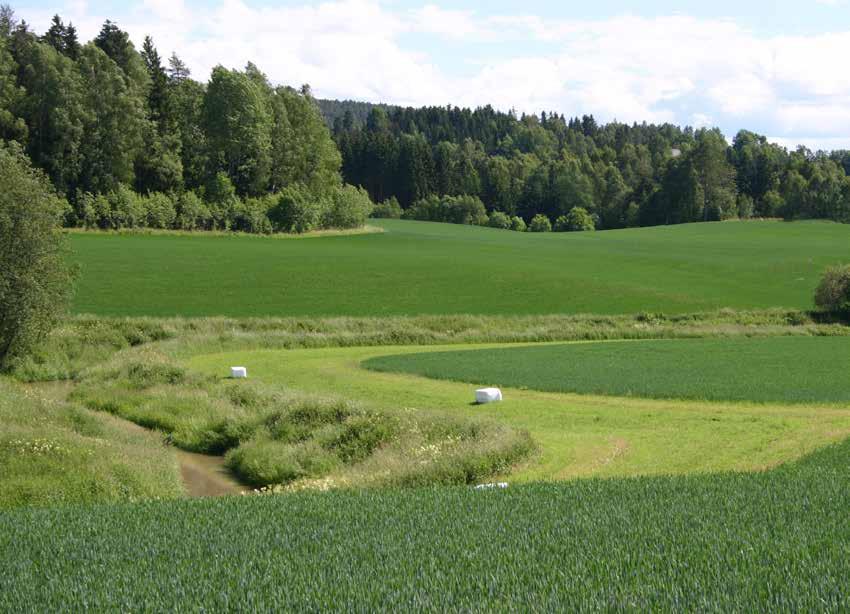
x: 192, y: 213
x: 577, y: 220
x: 85, y: 211
x: 159, y: 210
x: 296, y: 210
x: 518, y: 224
x: 126, y: 207
x: 35, y: 277
x: 221, y: 198
x: 251, y: 215
x: 833, y: 292
x: 540, y: 223
x: 499, y: 220
x: 348, y: 207
x: 389, y: 209
x: 451, y: 209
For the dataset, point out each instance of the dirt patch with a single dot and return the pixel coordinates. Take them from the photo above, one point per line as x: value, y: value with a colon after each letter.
x: 207, y: 476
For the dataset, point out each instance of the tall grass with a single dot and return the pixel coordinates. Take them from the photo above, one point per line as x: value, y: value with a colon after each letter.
x: 83, y: 341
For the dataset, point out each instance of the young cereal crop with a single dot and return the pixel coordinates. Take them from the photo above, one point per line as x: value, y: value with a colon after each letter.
x: 770, y: 541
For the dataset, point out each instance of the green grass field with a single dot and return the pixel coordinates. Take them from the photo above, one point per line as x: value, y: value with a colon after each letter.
x: 777, y: 369
x: 774, y: 541
x: 426, y: 268
x: 577, y: 435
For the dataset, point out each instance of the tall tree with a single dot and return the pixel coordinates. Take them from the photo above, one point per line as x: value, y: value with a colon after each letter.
x: 113, y: 126
x: 238, y: 124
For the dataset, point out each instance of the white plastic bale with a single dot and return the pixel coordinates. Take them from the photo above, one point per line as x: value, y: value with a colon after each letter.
x: 238, y: 372
x: 488, y: 395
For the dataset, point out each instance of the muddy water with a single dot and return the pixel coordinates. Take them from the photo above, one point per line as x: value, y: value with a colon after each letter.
x: 207, y: 476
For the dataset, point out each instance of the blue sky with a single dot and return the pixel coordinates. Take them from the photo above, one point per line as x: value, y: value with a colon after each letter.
x: 774, y: 67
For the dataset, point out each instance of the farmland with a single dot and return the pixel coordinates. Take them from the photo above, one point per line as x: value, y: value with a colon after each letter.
x: 633, y: 483
x: 427, y: 268
x: 756, y: 370
x: 775, y: 541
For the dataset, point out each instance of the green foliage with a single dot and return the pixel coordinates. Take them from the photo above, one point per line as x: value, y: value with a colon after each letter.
x: 518, y: 224
x: 159, y: 210
x: 540, y: 223
x: 348, y: 207
x: 756, y: 370
x: 53, y: 453
x: 296, y: 210
x: 499, y: 220
x: 770, y: 540
x: 451, y: 209
x: 429, y: 268
x: 833, y: 291
x: 35, y: 273
x: 192, y: 213
x: 237, y: 121
x: 578, y: 219
x: 388, y: 209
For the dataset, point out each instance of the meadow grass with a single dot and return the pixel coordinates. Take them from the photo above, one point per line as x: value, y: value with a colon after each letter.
x: 773, y: 541
x: 426, y: 268
x: 776, y: 369
x: 83, y: 341
x: 576, y: 435
x: 53, y: 452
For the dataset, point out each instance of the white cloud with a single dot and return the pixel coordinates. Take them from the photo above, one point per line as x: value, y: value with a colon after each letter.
x: 629, y: 68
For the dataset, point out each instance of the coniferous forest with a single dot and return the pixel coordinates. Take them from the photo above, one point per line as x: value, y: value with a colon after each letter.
x: 130, y: 139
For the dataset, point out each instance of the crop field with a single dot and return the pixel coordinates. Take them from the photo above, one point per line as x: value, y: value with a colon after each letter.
x: 777, y: 369
x: 577, y: 435
x: 427, y: 268
x: 769, y: 541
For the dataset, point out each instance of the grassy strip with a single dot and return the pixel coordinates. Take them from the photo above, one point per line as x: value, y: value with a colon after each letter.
x: 777, y: 369
x: 55, y: 453
x: 131, y: 232
x: 275, y: 437
x: 83, y: 341
x: 426, y: 268
x: 775, y: 541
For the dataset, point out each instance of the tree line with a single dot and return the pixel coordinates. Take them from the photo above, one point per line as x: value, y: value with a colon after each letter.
x: 621, y: 175
x: 131, y: 140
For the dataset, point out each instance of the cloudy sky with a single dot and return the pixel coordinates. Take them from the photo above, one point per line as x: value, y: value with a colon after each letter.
x: 777, y: 67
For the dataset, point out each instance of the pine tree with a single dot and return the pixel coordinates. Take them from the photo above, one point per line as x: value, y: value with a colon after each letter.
x: 177, y: 69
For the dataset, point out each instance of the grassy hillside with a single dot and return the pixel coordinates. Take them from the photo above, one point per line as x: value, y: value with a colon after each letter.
x: 426, y: 268
x: 778, y: 369
x: 774, y: 541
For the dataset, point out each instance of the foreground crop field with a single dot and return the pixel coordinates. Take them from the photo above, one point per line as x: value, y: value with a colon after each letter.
x: 777, y: 369
x: 774, y: 541
x: 426, y: 268
x: 577, y: 435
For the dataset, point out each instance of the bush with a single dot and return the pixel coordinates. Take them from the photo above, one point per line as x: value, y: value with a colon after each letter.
x: 389, y: 209
x: 296, y: 210
x: 450, y: 209
x: 126, y: 207
x: 159, y: 210
x: 348, y: 207
x: 192, y: 213
x: 577, y: 220
x: 222, y: 201
x: 251, y: 215
x: 833, y: 292
x: 35, y: 277
x: 518, y: 224
x: 540, y: 223
x: 499, y: 220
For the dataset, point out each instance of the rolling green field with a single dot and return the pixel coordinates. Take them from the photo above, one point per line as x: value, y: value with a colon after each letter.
x: 427, y: 268
x: 773, y: 541
x: 777, y: 369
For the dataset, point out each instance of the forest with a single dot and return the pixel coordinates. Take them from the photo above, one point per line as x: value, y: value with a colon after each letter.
x: 623, y: 175
x: 132, y: 140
